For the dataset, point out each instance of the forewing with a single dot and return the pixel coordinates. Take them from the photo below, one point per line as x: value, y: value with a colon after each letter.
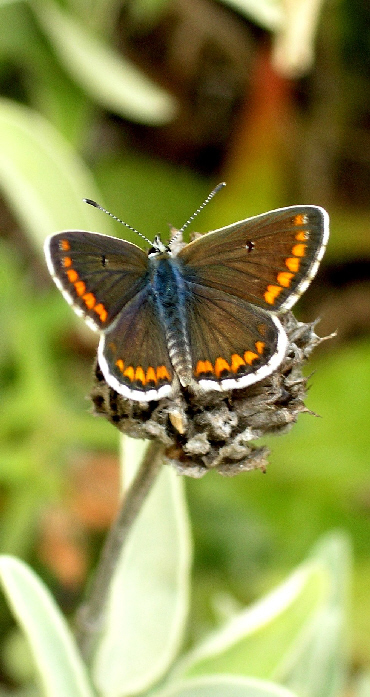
x: 133, y: 354
x: 268, y: 260
x: 233, y: 344
x: 97, y: 274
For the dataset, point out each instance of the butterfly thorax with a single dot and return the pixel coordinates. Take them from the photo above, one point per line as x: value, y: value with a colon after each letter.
x: 169, y: 292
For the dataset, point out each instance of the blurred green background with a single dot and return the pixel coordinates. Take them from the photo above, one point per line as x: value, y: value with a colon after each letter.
x: 145, y: 105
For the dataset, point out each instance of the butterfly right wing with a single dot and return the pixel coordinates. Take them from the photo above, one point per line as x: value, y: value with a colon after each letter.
x: 268, y: 260
x: 96, y: 274
x: 233, y: 343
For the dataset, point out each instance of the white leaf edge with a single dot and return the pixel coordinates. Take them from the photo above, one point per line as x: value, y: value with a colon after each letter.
x: 268, y: 14
x: 169, y: 480
x: 249, y: 687
x: 253, y: 618
x: 52, y: 645
x: 29, y: 202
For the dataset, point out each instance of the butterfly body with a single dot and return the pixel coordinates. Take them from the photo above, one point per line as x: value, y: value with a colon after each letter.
x: 170, y: 293
x: 203, y: 315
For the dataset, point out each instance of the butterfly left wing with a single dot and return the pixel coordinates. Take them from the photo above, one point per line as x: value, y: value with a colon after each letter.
x: 133, y: 354
x: 97, y: 274
x: 268, y: 260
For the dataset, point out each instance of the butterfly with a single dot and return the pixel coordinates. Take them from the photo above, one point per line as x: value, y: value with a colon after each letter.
x: 201, y: 316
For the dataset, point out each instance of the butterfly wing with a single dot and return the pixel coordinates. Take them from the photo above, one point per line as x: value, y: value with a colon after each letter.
x: 268, y: 260
x: 97, y: 274
x: 133, y: 354
x: 233, y: 343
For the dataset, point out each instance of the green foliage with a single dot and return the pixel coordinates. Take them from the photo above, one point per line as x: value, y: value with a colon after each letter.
x: 293, y: 639
x: 58, y: 664
x: 249, y: 532
x: 106, y: 77
x: 149, y: 595
x: 42, y: 176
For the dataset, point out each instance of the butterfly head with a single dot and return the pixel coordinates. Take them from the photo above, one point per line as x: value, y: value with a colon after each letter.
x: 157, y: 247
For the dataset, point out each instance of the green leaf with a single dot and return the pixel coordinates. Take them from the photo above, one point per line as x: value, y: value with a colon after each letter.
x: 362, y: 686
x: 42, y: 177
x: 319, y: 665
x: 111, y: 80
x: 57, y: 660
x: 294, y: 636
x: 256, y: 641
x: 267, y: 13
x: 149, y: 599
x: 225, y: 686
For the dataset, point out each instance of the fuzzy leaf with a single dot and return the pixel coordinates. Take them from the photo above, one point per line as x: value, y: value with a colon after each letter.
x: 57, y: 660
x: 42, y: 177
x: 256, y: 641
x: 267, y: 13
x: 225, y: 686
x: 150, y: 595
x: 115, y: 83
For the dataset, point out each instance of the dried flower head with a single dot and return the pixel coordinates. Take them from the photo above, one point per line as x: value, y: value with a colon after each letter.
x: 216, y: 430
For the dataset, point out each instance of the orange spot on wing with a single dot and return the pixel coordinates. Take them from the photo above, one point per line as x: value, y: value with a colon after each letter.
x: 299, y: 250
x: 204, y: 367
x: 220, y: 366
x: 236, y: 362
x: 284, y: 278
x: 150, y: 375
x: 292, y: 264
x: 300, y: 219
x: 250, y: 356
x: 260, y: 345
x: 67, y: 261
x: 72, y: 275
x: 64, y: 245
x: 120, y: 364
x: 301, y: 236
x: 101, y: 311
x: 272, y: 293
x: 162, y: 373
x: 140, y: 375
x: 129, y: 373
x: 89, y: 300
x: 80, y: 287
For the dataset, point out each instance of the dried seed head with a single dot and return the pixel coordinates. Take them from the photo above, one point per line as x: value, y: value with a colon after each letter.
x: 217, y: 430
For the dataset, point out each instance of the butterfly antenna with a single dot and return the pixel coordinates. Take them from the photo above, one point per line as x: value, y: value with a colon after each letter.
x: 96, y: 205
x: 207, y: 200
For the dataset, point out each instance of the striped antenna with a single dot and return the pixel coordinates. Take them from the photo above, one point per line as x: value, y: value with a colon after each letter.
x: 96, y: 205
x: 207, y: 200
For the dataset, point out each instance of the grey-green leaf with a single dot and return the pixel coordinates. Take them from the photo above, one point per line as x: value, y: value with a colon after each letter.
x: 42, y: 177
x: 268, y: 14
x: 150, y: 595
x: 362, y: 686
x: 111, y: 80
x: 258, y: 640
x: 59, y: 666
x: 319, y: 664
x: 225, y: 686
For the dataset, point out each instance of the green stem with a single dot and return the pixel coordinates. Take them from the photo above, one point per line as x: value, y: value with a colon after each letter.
x: 90, y: 616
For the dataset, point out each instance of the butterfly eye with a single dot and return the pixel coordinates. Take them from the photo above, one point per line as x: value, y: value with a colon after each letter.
x: 249, y: 245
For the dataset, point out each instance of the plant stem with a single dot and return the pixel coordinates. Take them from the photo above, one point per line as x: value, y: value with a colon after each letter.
x: 90, y: 615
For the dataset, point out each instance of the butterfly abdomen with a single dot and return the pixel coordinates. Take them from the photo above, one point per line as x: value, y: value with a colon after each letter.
x: 169, y: 293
